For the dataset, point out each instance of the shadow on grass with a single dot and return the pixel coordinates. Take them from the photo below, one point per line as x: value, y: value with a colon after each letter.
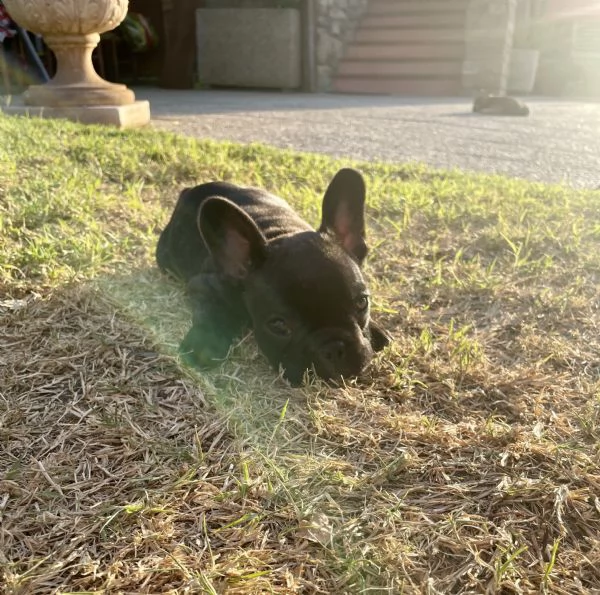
x: 243, y: 388
x: 120, y: 467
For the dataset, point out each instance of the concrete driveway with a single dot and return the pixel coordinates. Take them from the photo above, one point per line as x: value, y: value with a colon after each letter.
x: 558, y: 142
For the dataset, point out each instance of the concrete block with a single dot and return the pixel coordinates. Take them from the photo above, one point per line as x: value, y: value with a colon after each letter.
x: 249, y: 47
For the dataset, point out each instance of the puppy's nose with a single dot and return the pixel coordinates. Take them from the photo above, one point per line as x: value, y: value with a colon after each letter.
x: 334, y: 351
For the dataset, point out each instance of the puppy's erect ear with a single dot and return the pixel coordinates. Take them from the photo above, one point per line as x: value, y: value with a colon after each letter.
x: 343, y: 213
x: 232, y: 238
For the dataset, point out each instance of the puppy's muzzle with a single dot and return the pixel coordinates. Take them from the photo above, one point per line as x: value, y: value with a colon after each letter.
x: 340, y: 353
x: 334, y: 352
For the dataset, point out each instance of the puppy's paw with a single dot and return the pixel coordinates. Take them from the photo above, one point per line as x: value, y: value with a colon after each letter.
x: 203, y: 347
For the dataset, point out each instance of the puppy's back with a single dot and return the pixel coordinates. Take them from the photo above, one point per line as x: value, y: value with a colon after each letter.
x: 181, y: 250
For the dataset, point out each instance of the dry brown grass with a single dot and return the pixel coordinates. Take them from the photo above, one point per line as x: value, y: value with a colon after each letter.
x: 124, y: 473
x: 465, y: 461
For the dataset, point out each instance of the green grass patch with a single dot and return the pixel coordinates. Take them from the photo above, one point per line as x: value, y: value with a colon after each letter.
x: 464, y: 461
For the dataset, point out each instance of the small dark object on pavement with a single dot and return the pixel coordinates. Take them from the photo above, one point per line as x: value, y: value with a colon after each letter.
x: 499, y: 106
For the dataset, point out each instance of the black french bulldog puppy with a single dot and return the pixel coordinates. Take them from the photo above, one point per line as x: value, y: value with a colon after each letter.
x: 250, y: 261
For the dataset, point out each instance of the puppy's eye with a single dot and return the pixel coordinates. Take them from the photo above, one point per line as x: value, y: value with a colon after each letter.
x: 362, y: 303
x: 278, y: 326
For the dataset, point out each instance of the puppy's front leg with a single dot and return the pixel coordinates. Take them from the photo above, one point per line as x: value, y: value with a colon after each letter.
x: 218, y: 317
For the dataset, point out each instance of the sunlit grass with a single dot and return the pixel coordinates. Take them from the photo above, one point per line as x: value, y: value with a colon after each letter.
x: 465, y: 460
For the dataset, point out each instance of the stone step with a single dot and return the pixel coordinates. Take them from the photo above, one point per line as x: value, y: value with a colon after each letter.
x: 445, y: 69
x: 428, y: 20
x: 415, y: 6
x: 406, y: 47
x: 388, y: 51
x: 404, y: 86
x: 427, y: 36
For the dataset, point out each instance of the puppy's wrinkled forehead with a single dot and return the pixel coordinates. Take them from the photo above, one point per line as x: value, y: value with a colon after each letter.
x: 326, y: 279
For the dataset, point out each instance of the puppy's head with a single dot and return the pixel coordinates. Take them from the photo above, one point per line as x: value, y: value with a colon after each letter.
x: 305, y: 293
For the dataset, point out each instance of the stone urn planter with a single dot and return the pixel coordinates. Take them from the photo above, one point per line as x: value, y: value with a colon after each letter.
x: 71, y: 28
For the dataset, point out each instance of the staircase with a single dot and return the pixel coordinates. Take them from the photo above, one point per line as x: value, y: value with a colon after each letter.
x: 406, y: 47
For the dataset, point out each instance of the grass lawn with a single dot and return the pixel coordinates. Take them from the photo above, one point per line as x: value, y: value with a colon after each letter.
x: 465, y: 461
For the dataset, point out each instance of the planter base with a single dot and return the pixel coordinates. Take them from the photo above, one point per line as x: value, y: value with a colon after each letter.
x: 133, y: 115
x: 78, y: 95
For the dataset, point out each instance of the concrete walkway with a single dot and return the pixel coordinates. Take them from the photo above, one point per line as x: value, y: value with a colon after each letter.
x: 558, y: 142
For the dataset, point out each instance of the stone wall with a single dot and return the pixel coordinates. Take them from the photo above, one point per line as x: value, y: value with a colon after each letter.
x: 489, y: 37
x: 502, y: 45
x: 335, y: 23
x: 335, y: 26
